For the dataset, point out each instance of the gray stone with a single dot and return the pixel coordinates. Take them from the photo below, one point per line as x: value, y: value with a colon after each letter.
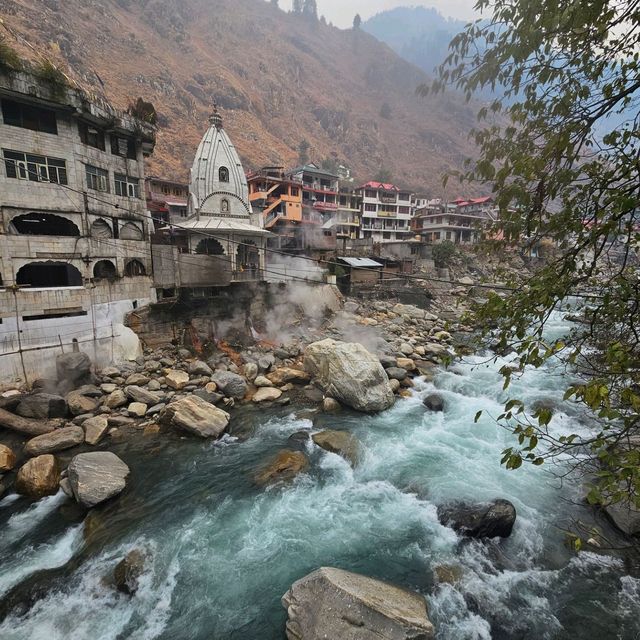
x: 339, y: 605
x: 349, y: 373
x: 154, y: 385
x: 57, y: 440
x: 127, y: 572
x: 396, y: 373
x: 434, y: 402
x: 138, y: 394
x: 110, y: 372
x: 406, y: 348
x: 65, y: 485
x: 330, y: 405
x: 231, y: 384
x: 79, y: 403
x: 266, y: 362
x: 137, y: 379
x: 341, y: 442
x: 108, y: 387
x: 97, y: 476
x: 262, y: 381
x: 94, y: 429
x: 267, y: 394
x: 176, y: 379
x: 208, y: 396
x: 387, y: 361
x: 42, y: 406
x: 157, y: 408
x: 89, y: 390
x: 137, y: 409
x: 195, y: 415
x: 199, y: 368
x: 495, y: 519
x: 625, y: 516
x: 74, y: 366
x: 116, y: 399
x: 250, y: 370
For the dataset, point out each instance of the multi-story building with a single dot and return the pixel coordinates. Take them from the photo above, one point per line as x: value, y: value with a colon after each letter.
x: 347, y: 217
x: 166, y: 200
x: 221, y: 242
x: 461, y: 221
x: 74, y: 253
x: 386, y: 212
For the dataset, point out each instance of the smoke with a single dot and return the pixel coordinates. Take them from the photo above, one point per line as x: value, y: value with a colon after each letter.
x: 369, y: 337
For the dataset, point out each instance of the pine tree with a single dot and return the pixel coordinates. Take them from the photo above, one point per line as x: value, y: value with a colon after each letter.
x: 310, y: 9
x: 357, y: 21
x: 297, y: 6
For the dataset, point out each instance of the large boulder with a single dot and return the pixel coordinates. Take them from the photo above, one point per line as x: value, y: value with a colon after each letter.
x: 284, y: 375
x: 38, y: 477
x: 57, y: 440
x: 341, y: 442
x: 73, y: 367
x: 337, y: 604
x: 348, y: 372
x: 128, y: 571
x: 7, y: 458
x: 625, y: 516
x: 231, y: 384
x: 197, y: 416
x: 97, y: 476
x: 285, y: 466
x: 489, y: 520
x: 138, y: 394
x: 42, y: 406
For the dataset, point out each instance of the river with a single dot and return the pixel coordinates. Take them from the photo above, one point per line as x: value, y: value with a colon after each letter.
x: 224, y: 551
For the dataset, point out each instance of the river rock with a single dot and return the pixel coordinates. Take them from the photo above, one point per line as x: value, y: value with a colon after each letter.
x: 250, y: 370
x: 137, y: 379
x: 625, y: 516
x: 110, y: 372
x: 341, y: 442
x: 231, y: 384
x: 38, y: 477
x: 262, y: 381
x: 108, y: 387
x: 349, y: 373
x: 285, y: 466
x: 387, y: 361
x: 97, y: 476
x: 406, y: 363
x: 396, y: 373
x: 80, y: 404
x: 57, y: 440
x: 73, y: 367
x: 94, y: 429
x: 434, y: 402
x: 195, y: 415
x: 138, y: 394
x: 208, y: 396
x: 284, y: 375
x: 266, y: 362
x: 267, y: 394
x: 394, y: 384
x: 7, y: 458
x: 494, y: 519
x: 137, y: 409
x: 42, y: 406
x: 339, y: 605
x: 329, y: 405
x: 406, y: 348
x: 199, y: 368
x: 176, y: 379
x: 434, y: 349
x: 116, y: 399
x: 127, y: 572
x: 413, y: 312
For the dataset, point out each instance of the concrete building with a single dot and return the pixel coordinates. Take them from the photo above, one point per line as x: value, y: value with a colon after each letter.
x: 74, y: 253
x: 347, y: 218
x: 461, y: 221
x: 167, y: 200
x: 386, y: 212
x: 221, y: 241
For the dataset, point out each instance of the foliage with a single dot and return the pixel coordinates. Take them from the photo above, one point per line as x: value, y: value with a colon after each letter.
x: 357, y: 21
x: 560, y: 150
x: 384, y: 174
x: 442, y: 253
x: 9, y: 59
x: 143, y: 110
x: 49, y: 74
x: 303, y: 151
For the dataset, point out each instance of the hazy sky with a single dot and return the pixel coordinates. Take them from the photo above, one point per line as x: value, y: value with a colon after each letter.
x: 341, y: 12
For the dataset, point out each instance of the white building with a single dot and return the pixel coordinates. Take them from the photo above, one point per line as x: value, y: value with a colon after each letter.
x: 74, y: 253
x: 386, y: 212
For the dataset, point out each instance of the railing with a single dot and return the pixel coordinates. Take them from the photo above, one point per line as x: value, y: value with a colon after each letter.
x: 247, y: 275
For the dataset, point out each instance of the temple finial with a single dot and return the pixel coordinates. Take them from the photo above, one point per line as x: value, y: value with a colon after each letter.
x: 215, y: 118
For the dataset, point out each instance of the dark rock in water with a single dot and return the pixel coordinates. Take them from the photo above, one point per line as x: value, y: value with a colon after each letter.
x: 127, y: 572
x: 625, y: 516
x: 73, y: 367
x: 396, y: 373
x: 341, y: 442
x: 495, y: 519
x: 434, y: 402
x: 500, y: 350
x: 42, y: 406
x: 299, y: 439
x: 285, y: 466
x: 231, y: 384
x: 208, y: 396
x: 544, y: 403
x: 314, y: 394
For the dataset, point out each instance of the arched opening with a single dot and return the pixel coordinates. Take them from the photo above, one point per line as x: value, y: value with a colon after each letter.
x: 224, y: 206
x: 44, y: 224
x: 223, y: 174
x: 134, y: 268
x: 101, y: 229
x: 130, y: 231
x: 210, y: 247
x: 47, y: 275
x: 248, y: 256
x: 105, y: 269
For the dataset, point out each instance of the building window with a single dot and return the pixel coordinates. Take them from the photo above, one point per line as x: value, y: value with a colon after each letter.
x: 16, y: 114
x: 224, y: 207
x: 386, y: 235
x: 91, y: 136
x: 166, y: 190
x: 26, y: 166
x: 124, y: 147
x: 369, y: 193
x: 404, y: 209
x: 370, y: 207
x: 448, y: 235
x: 223, y: 174
x: 97, y: 179
x: 295, y: 191
x: 134, y: 268
x: 126, y: 186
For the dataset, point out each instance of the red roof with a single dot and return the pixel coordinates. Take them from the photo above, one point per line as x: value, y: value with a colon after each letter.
x: 461, y: 202
x: 372, y: 184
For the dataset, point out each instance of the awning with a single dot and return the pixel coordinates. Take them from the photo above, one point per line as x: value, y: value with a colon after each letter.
x: 360, y: 262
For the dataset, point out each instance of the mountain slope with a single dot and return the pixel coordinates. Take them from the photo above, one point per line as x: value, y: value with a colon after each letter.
x: 278, y: 78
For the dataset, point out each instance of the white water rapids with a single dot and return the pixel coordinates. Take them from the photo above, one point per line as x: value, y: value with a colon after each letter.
x: 225, y: 551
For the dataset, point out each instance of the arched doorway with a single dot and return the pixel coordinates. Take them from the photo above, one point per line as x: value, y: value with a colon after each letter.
x: 49, y: 275
x: 105, y: 269
x: 134, y: 268
x: 247, y: 256
x: 210, y: 247
x: 44, y: 224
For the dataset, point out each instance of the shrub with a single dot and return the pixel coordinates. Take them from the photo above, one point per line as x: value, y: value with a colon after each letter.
x: 442, y: 253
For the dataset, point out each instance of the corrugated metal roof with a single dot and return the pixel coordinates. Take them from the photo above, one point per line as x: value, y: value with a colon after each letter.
x: 361, y: 262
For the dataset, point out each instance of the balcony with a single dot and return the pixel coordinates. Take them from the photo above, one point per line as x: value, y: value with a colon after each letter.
x: 247, y: 275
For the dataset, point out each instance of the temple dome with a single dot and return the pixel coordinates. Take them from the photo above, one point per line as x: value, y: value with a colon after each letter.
x: 218, y: 184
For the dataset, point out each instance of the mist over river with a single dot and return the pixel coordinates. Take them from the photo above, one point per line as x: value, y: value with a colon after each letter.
x: 224, y: 551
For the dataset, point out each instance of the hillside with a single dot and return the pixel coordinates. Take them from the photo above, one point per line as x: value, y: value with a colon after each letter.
x: 279, y: 79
